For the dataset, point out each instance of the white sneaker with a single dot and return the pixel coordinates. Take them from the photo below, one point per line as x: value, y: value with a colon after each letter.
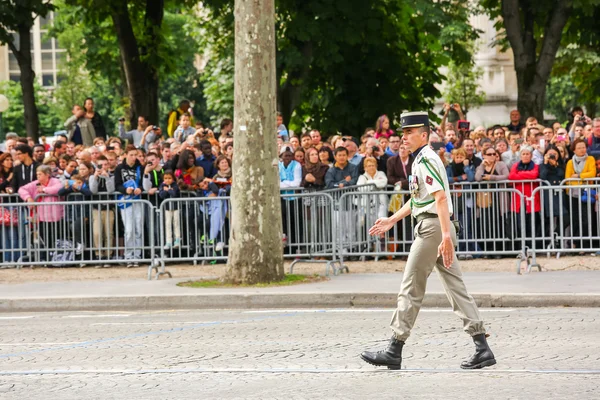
x: 167, y: 246
x: 177, y: 243
x: 220, y: 246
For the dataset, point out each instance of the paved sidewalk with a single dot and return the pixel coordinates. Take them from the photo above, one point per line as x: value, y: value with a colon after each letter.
x: 490, y: 289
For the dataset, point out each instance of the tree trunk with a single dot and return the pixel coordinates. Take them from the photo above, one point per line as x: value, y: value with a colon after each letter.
x: 141, y: 75
x: 256, y: 253
x: 533, y: 71
x: 23, y: 56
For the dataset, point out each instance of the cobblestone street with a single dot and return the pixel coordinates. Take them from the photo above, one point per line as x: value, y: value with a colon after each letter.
x: 541, y: 353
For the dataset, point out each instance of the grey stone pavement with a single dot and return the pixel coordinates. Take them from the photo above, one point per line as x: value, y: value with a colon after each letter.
x: 501, y: 289
x: 542, y: 353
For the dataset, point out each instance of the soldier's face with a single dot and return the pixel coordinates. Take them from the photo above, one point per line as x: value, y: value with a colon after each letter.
x: 412, y: 139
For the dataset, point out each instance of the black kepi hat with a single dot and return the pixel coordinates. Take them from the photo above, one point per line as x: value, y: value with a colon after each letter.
x: 415, y: 119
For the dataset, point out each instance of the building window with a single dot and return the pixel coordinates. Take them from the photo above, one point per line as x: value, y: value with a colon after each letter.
x: 46, y: 54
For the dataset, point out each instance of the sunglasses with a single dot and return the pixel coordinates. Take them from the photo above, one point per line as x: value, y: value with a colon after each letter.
x: 490, y: 154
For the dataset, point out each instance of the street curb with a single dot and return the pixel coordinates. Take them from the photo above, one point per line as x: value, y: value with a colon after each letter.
x: 284, y: 300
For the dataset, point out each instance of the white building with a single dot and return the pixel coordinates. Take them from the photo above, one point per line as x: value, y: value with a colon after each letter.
x: 47, y: 56
x: 499, y: 80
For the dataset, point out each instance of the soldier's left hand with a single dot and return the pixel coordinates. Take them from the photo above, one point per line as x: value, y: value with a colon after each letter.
x: 446, y: 250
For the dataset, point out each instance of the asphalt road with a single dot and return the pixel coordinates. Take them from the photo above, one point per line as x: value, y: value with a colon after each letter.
x: 541, y: 354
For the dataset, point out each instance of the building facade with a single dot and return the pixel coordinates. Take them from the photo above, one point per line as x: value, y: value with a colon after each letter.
x: 47, y: 56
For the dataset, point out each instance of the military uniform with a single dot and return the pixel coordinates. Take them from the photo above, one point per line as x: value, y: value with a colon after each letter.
x: 428, y: 177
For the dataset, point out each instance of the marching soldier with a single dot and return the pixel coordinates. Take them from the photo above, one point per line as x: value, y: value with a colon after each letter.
x: 433, y: 247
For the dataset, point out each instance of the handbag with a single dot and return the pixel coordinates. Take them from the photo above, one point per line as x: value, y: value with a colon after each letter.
x: 10, y: 217
x: 483, y: 199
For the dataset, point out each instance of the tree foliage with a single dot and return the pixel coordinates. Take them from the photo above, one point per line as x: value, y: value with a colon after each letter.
x: 12, y: 118
x: 341, y: 64
x: 538, y: 32
x: 95, y: 69
x: 18, y: 16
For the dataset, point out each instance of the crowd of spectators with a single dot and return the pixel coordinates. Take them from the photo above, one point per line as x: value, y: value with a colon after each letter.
x: 86, y: 164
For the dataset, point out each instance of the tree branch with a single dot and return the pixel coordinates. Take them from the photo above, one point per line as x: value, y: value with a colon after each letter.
x: 514, y: 32
x: 552, y: 36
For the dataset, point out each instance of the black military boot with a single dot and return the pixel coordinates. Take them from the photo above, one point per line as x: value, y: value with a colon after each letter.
x: 483, y: 356
x: 391, y: 357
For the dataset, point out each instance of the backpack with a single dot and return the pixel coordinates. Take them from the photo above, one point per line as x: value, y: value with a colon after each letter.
x: 130, y: 184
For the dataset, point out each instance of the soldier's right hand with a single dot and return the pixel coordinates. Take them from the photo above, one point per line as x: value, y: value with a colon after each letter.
x: 382, y: 225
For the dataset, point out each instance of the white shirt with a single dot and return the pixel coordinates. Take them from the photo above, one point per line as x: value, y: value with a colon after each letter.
x: 428, y: 176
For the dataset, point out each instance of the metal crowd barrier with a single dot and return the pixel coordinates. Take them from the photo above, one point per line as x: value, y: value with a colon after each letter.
x: 498, y: 219
x: 569, y: 221
x: 74, y: 233
x: 488, y: 229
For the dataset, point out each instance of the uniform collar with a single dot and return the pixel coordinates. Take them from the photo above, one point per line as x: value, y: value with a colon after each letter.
x: 416, y: 152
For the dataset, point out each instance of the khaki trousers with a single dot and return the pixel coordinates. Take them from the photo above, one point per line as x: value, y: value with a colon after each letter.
x: 421, y: 261
x: 102, y: 227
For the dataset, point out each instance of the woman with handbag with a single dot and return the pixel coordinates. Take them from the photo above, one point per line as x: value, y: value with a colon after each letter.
x: 580, y: 167
x: 491, y: 206
x: 9, y: 216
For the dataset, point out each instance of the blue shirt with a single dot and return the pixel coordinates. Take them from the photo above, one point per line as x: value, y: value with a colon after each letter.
x: 208, y: 165
x: 356, y: 159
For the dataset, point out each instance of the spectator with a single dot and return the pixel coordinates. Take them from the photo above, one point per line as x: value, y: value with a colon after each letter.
x: 399, y: 168
x: 188, y: 175
x: 6, y: 171
x: 498, y: 133
x: 515, y: 124
x: 25, y: 172
x: 8, y: 234
x: 305, y: 141
x: 451, y: 113
x: 175, y: 115
x: 299, y: 156
x: 135, y: 136
x: 207, y: 159
x: 223, y: 176
x: 371, y: 207
x: 229, y: 151
x: 382, y: 127
x: 39, y: 153
x: 526, y: 170
x: 313, y: 171
x: 294, y: 142
x: 342, y: 173
x: 128, y: 182
x: 70, y: 151
x: 184, y: 130
x: 594, y: 141
x: 531, y: 122
x: 484, y: 144
x: 81, y: 129
x: 553, y: 171
x: 102, y: 184
x: 491, y: 169
x: 100, y: 144
x: 281, y: 129
x: 77, y: 190
x: 460, y: 171
x: 48, y: 216
x: 169, y: 190
x: 393, y: 145
x: 353, y: 157
x: 316, y: 138
x: 95, y: 119
x: 290, y: 176
x: 582, y: 166
x: 10, y: 143
x: 374, y: 149
x: 226, y: 128
x: 469, y: 146
x: 326, y: 156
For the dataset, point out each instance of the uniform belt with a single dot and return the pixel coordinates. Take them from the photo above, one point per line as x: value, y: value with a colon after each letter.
x: 425, y: 215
